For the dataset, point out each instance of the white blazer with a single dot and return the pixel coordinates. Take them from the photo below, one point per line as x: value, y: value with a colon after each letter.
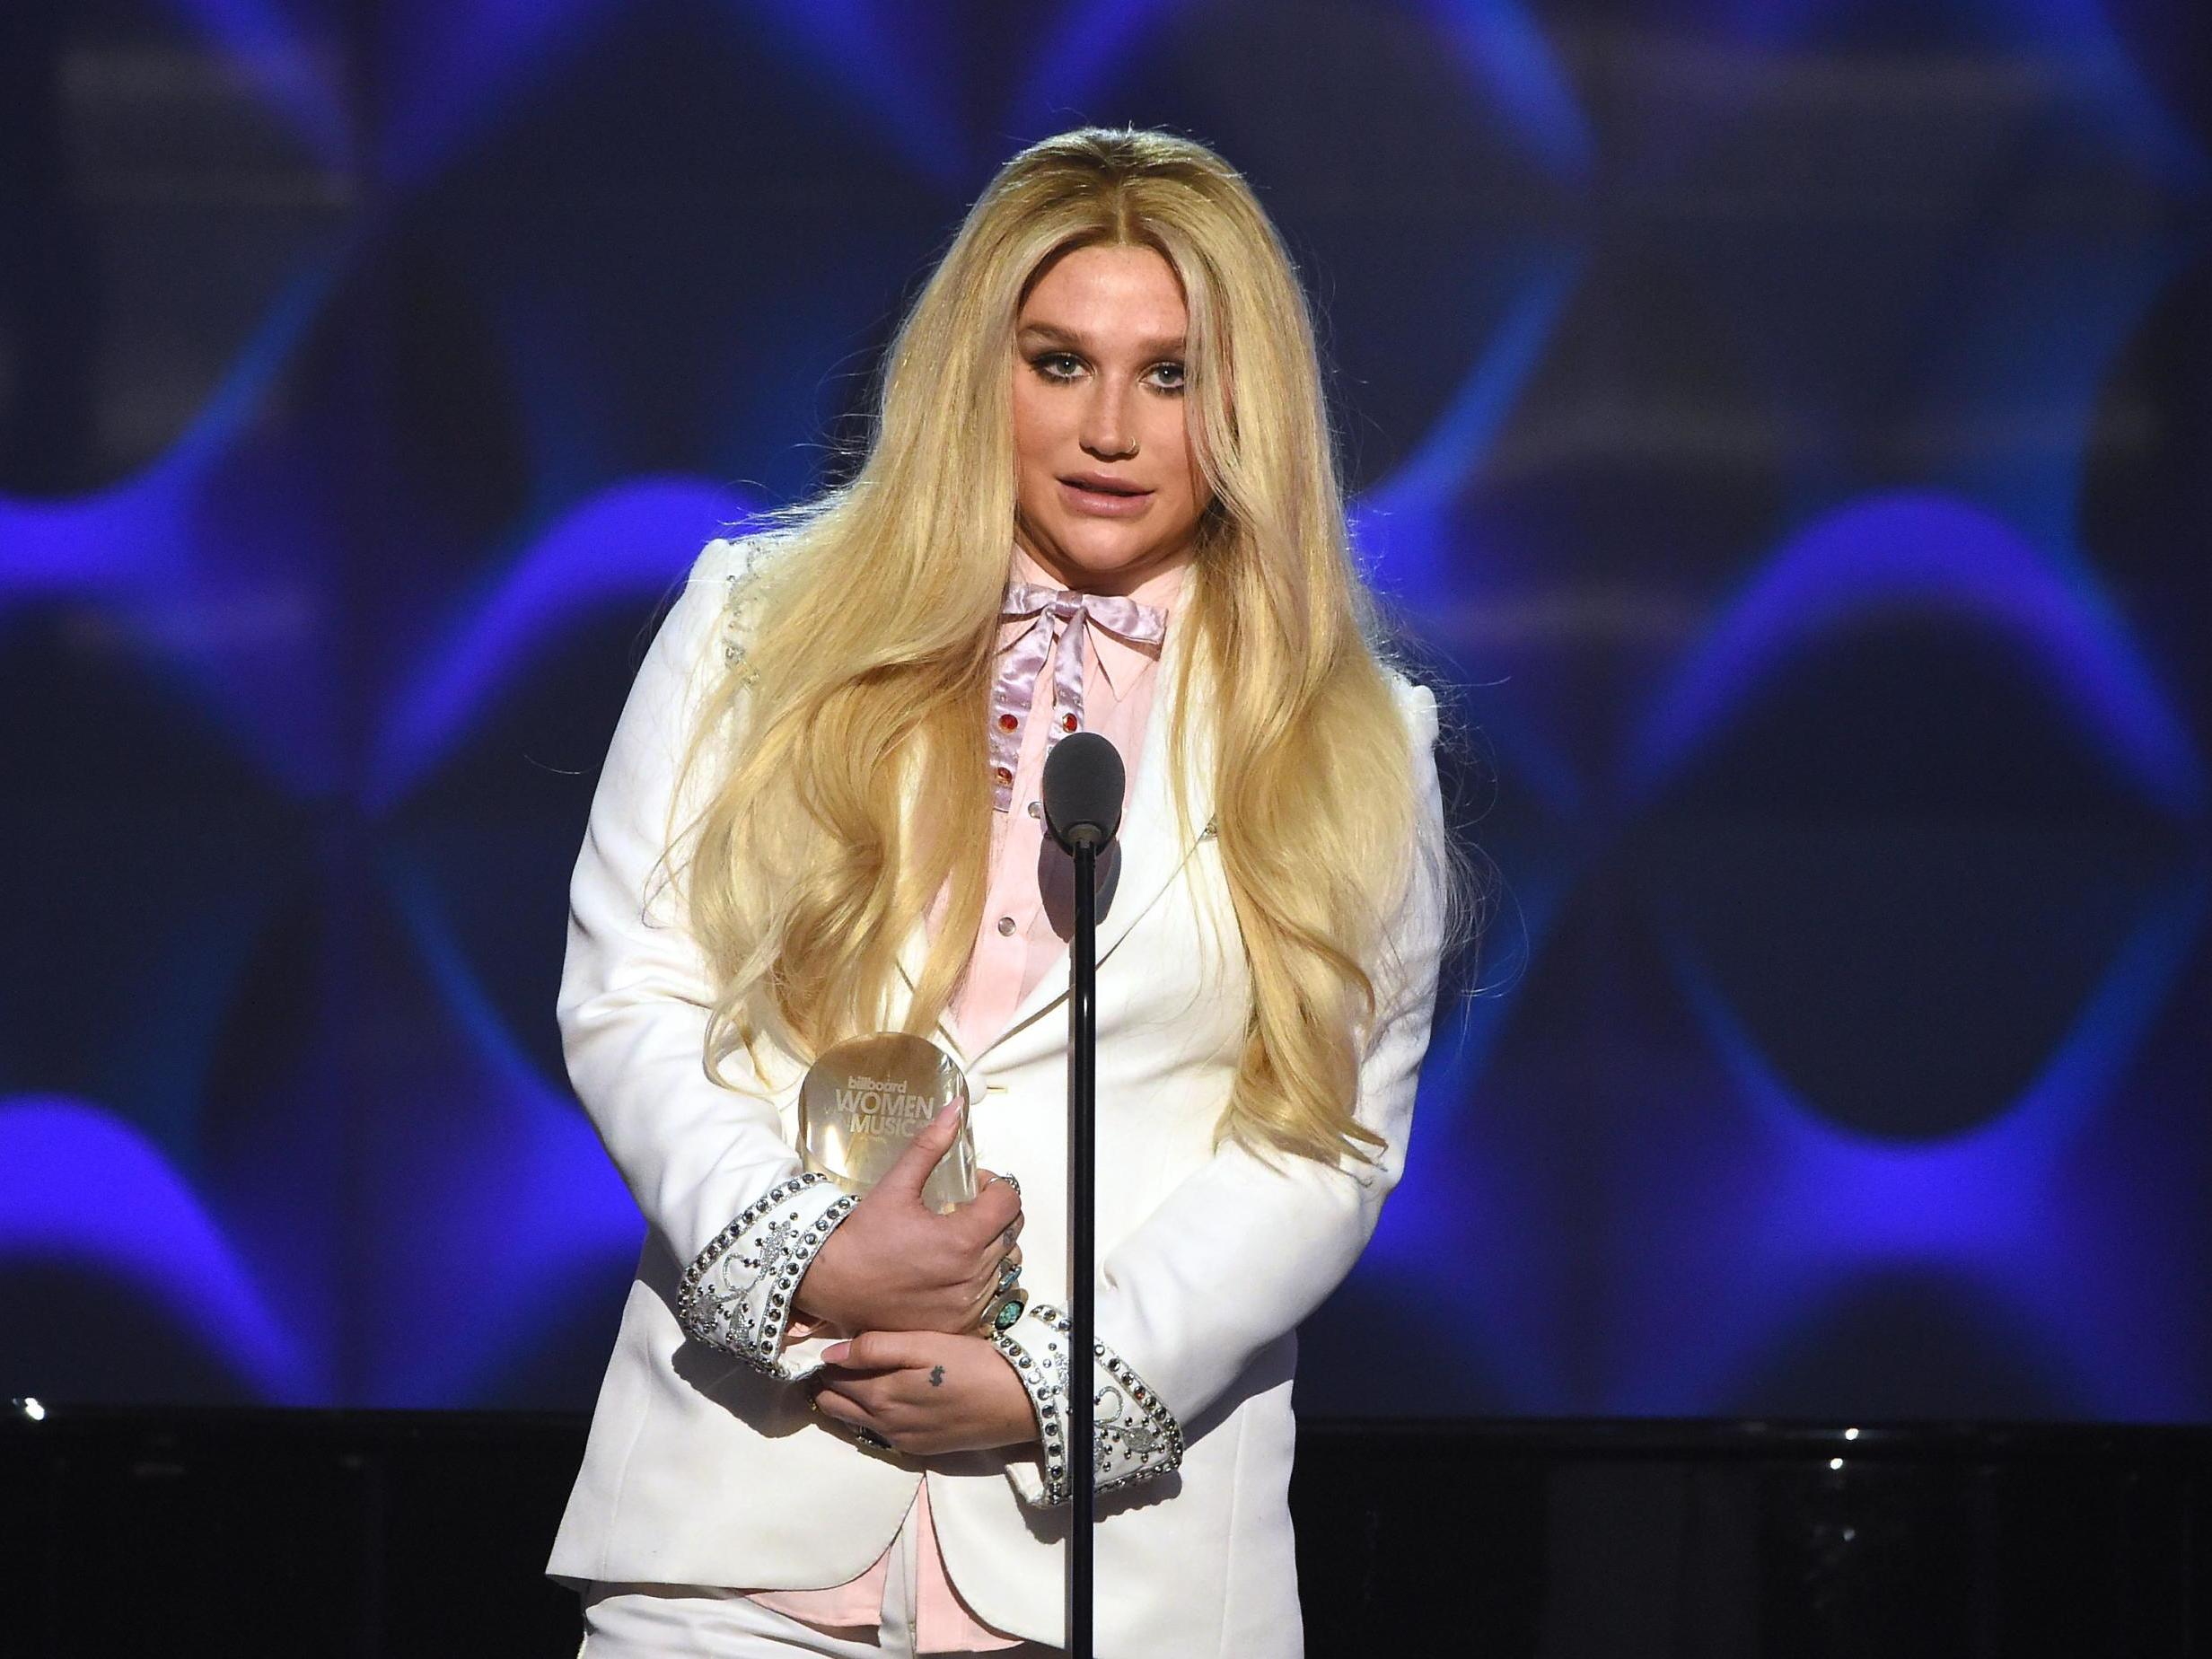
x: 704, y: 1465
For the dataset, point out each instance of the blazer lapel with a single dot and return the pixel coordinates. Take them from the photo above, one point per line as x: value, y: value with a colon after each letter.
x: 913, y: 957
x: 1153, y: 852
x: 1153, y: 848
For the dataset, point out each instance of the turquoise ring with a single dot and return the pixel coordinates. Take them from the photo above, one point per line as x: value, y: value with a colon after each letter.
x: 1009, y: 1311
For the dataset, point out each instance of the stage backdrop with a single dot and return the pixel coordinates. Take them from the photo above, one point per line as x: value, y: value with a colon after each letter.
x: 1785, y: 423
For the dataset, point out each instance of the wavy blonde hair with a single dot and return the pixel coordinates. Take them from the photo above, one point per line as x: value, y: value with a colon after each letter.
x: 850, y: 742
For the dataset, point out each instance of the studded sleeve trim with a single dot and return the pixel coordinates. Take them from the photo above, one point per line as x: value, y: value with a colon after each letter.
x: 737, y: 1296
x: 1134, y: 1435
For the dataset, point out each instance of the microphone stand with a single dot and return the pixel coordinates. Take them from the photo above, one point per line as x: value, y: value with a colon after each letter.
x: 1082, y: 1239
x: 1084, y: 782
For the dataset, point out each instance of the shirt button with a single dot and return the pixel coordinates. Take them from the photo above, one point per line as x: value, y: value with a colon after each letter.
x: 1006, y: 925
x: 1067, y: 722
x: 1035, y: 811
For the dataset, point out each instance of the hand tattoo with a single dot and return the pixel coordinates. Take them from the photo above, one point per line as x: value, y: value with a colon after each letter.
x: 937, y: 1376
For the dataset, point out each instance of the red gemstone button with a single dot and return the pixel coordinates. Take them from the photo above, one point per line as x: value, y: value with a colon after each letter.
x: 1067, y: 722
x: 1007, y: 723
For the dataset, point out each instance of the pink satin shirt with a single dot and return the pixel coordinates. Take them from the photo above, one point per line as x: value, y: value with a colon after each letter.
x: 1015, y: 947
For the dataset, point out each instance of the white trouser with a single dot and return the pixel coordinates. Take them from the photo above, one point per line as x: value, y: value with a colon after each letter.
x: 698, y: 1621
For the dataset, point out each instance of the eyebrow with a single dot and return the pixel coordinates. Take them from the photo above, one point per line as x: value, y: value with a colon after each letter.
x: 1067, y: 337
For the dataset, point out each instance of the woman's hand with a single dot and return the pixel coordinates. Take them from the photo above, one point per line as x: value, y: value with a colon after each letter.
x: 925, y: 1393
x: 895, y: 1264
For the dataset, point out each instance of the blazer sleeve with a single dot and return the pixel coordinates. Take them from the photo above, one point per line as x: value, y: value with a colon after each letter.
x: 1242, y: 1249
x: 707, y: 1163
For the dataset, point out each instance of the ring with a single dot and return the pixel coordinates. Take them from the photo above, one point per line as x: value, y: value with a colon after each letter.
x: 1007, y: 1178
x: 1009, y: 1270
x: 868, y: 1437
x: 1005, y: 1311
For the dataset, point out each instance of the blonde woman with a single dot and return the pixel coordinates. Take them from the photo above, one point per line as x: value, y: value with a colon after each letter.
x: 1100, y: 495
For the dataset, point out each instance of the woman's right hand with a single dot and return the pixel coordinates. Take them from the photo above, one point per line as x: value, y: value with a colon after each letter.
x: 895, y: 1264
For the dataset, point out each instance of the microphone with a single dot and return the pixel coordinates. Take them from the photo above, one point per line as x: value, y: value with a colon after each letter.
x: 1082, y: 786
x: 1084, y: 781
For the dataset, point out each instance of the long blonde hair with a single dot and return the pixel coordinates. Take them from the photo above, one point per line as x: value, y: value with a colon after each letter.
x: 850, y: 742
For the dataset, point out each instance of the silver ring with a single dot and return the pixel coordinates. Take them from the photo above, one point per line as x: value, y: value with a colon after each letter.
x: 868, y: 1437
x: 1009, y: 1272
x: 1007, y: 1178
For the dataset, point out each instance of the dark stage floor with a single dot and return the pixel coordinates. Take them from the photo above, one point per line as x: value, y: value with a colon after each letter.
x: 314, y: 1534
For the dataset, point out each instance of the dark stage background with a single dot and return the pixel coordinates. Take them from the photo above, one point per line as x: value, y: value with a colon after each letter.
x: 1786, y: 422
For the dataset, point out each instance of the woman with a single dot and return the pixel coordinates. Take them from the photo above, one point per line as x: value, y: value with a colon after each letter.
x: 1100, y: 494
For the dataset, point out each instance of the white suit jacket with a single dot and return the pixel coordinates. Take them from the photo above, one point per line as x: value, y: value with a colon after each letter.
x: 704, y: 1464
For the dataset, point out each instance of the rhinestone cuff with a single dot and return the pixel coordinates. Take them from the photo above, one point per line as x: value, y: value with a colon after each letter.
x: 737, y: 1296
x: 1134, y: 1435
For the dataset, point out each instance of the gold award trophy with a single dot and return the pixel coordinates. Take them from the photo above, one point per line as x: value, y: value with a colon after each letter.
x: 862, y: 1100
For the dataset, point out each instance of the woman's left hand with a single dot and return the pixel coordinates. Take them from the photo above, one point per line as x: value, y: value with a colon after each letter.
x: 925, y: 1393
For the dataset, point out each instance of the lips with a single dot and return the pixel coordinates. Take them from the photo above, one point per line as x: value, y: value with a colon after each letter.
x: 1094, y: 495
x: 1098, y: 484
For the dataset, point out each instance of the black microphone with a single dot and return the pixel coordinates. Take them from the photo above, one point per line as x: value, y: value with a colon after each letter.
x: 1083, y: 791
x: 1084, y: 781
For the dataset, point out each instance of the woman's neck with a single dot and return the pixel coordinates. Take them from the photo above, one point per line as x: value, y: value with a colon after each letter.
x: 1157, y: 583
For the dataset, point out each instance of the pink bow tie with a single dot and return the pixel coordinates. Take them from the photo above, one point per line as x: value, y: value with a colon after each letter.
x: 1024, y: 660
